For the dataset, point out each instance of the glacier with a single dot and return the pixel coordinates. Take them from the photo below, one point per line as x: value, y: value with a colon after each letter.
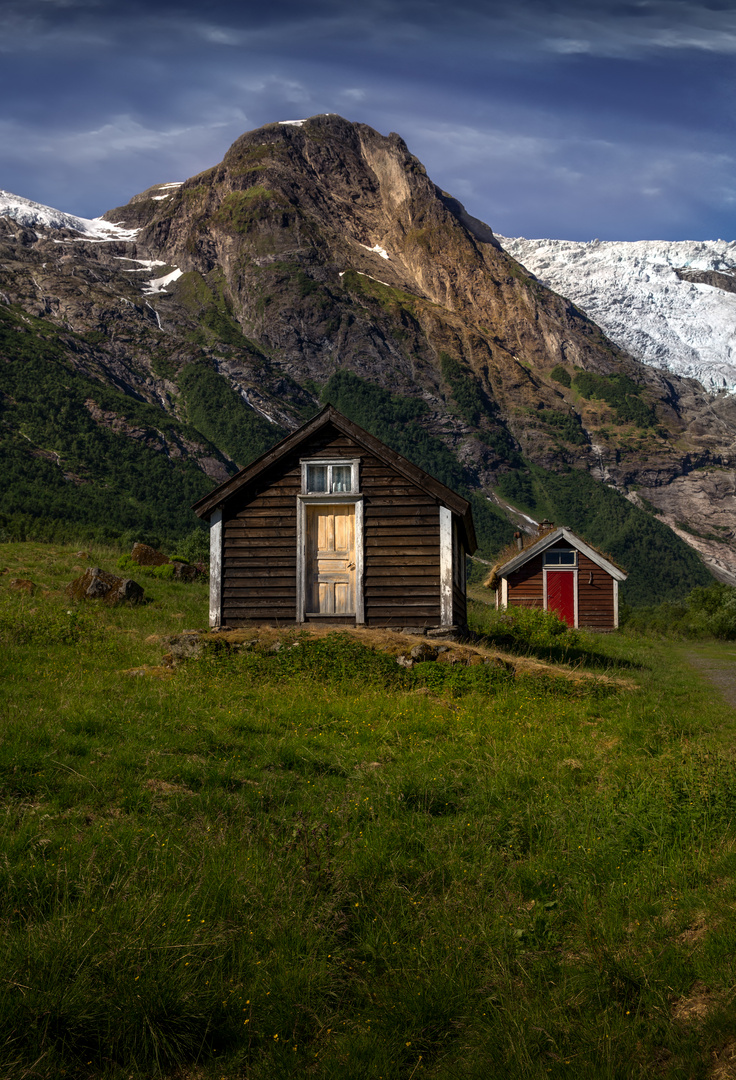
x: 32, y: 214
x: 633, y: 291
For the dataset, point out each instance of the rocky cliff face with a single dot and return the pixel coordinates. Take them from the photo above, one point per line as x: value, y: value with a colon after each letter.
x: 322, y: 246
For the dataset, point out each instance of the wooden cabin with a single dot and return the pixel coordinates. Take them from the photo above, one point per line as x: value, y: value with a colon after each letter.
x: 561, y: 573
x: 332, y: 526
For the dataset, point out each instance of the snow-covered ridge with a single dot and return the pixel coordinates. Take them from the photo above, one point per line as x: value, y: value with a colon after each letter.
x: 632, y: 290
x: 34, y: 215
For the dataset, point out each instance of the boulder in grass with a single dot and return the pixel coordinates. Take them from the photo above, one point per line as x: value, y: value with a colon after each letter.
x: 192, y: 645
x: 185, y: 571
x: 97, y: 584
x: 22, y: 585
x: 423, y: 652
x: 148, y: 556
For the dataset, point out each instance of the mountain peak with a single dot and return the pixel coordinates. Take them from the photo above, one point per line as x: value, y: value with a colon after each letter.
x: 318, y: 257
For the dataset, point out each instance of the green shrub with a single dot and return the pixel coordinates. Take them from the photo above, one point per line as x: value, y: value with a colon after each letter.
x: 465, y: 390
x: 120, y: 483
x: 222, y: 415
x: 195, y: 547
x: 239, y: 211
x: 134, y: 569
x: 520, y: 628
x: 707, y: 612
x: 566, y: 425
x: 621, y: 393
x: 561, y: 375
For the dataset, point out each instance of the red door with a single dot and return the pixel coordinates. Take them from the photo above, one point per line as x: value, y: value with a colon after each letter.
x: 561, y: 594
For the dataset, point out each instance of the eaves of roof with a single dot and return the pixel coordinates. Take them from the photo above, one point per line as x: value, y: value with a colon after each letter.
x: 205, y: 506
x: 562, y: 533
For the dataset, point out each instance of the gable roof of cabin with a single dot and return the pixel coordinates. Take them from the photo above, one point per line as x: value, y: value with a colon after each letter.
x: 552, y: 538
x: 330, y: 415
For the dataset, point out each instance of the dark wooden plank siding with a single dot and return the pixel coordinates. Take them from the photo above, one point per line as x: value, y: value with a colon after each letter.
x: 526, y: 585
x: 259, y: 549
x: 595, y: 598
x: 401, y: 550
x: 459, y: 606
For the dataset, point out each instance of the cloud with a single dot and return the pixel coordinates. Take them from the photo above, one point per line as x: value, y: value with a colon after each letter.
x: 565, y: 185
x: 490, y: 28
x: 85, y: 171
x: 523, y: 110
x: 630, y: 31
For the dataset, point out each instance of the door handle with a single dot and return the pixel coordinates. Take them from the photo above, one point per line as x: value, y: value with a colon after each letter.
x: 351, y: 566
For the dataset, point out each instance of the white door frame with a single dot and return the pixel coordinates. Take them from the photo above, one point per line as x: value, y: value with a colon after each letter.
x: 562, y: 570
x: 337, y: 499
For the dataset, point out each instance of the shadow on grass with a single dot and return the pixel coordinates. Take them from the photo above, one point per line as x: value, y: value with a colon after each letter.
x: 542, y: 635
x: 559, y: 653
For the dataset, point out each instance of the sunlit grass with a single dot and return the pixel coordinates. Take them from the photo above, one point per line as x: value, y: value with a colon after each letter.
x: 285, y: 864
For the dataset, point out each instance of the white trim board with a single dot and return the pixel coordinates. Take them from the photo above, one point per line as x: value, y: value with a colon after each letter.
x: 615, y: 604
x: 445, y: 566
x: 216, y: 569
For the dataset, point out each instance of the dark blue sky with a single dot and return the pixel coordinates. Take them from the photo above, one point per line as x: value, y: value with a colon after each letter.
x: 568, y: 118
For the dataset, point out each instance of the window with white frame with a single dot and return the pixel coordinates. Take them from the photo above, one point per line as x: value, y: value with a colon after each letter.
x: 330, y: 477
x: 560, y: 557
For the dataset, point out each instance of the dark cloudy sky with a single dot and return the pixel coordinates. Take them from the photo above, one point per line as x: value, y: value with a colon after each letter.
x: 567, y: 118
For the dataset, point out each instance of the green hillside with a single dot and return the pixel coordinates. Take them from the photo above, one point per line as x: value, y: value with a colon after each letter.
x: 65, y: 473
x: 81, y: 458
x: 659, y: 564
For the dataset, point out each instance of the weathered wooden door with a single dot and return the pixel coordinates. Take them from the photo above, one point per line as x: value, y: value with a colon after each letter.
x: 330, y: 570
x: 561, y: 594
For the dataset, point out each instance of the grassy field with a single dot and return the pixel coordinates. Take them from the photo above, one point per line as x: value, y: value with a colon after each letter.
x: 314, y: 862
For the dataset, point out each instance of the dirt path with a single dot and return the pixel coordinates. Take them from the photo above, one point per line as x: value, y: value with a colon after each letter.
x: 720, y: 671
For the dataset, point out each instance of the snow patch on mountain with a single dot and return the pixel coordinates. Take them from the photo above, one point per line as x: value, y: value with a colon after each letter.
x: 36, y: 215
x: 378, y: 250
x: 632, y: 290
x: 143, y: 264
x: 157, y: 285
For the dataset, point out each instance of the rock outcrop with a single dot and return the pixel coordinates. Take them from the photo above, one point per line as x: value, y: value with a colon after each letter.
x: 145, y: 555
x: 97, y: 584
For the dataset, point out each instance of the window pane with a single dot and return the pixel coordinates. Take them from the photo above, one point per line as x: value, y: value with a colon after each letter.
x: 316, y: 478
x: 342, y: 478
x: 559, y: 558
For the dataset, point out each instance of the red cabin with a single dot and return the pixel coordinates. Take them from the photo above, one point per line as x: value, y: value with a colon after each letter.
x: 561, y: 573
